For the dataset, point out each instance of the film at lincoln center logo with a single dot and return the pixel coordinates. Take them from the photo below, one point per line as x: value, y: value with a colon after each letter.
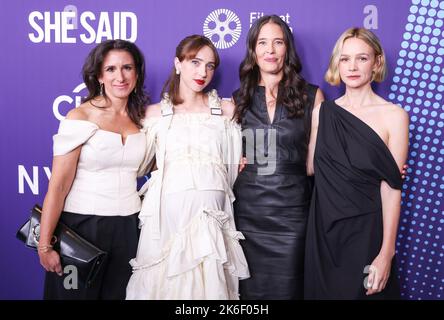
x: 223, y: 28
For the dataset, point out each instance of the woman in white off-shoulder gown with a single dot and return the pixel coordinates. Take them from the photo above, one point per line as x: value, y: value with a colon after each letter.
x: 189, y: 247
x: 93, y: 187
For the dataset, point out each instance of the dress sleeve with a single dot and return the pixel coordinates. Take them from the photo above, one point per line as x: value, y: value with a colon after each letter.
x: 150, y: 128
x: 71, y: 134
x: 233, y: 150
x: 388, y: 170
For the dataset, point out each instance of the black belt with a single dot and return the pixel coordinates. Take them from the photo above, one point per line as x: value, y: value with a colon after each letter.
x: 277, y: 168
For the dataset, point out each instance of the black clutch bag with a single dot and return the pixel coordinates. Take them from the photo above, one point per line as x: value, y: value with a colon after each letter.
x: 72, y: 248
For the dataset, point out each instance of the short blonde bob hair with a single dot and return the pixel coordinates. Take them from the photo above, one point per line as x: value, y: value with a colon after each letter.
x: 332, y: 75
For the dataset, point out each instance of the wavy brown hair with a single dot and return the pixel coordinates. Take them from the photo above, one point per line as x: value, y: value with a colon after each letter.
x: 186, y: 50
x: 292, y: 87
x: 92, y: 70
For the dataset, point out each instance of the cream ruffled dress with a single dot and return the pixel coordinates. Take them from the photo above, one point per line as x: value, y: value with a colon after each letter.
x: 189, y: 247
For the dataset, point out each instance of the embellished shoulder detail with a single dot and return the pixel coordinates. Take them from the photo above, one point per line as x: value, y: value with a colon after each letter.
x: 215, y: 103
x: 166, y: 106
x: 71, y: 134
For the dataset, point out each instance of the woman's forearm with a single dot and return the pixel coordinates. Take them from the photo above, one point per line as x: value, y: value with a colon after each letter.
x: 391, y: 206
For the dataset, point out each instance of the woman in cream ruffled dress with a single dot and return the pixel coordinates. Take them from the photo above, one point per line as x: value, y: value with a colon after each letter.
x: 189, y: 247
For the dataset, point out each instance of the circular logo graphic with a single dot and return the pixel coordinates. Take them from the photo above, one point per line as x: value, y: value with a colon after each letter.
x: 65, y: 102
x: 223, y: 28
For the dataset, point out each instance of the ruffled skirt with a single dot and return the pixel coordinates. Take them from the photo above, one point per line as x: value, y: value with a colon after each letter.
x: 198, y: 255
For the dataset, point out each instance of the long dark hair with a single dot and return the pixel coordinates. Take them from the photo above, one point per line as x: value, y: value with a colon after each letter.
x: 186, y: 50
x: 92, y: 70
x: 292, y: 87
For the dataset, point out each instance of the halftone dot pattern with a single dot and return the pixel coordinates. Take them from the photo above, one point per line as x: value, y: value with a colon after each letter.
x: 418, y: 86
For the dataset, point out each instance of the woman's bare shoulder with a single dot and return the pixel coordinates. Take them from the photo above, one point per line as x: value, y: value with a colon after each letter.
x: 393, y: 116
x: 82, y: 112
x: 227, y: 108
x: 153, y: 110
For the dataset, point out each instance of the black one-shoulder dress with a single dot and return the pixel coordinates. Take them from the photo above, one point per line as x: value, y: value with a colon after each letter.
x: 345, y: 226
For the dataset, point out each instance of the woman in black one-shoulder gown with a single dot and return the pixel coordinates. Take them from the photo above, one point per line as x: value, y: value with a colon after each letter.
x: 360, y: 140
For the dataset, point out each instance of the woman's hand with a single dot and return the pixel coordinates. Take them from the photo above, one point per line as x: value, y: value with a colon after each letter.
x: 242, y: 164
x: 404, y: 171
x: 379, y: 274
x: 50, y: 260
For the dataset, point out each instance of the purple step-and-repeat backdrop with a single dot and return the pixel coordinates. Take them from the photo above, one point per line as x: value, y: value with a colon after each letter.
x: 45, y: 43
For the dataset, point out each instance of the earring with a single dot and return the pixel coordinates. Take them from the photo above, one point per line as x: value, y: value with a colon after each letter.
x: 102, y: 87
x: 177, y: 71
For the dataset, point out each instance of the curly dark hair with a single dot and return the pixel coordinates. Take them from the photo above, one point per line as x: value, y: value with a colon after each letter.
x: 292, y: 87
x: 187, y: 49
x: 92, y: 70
